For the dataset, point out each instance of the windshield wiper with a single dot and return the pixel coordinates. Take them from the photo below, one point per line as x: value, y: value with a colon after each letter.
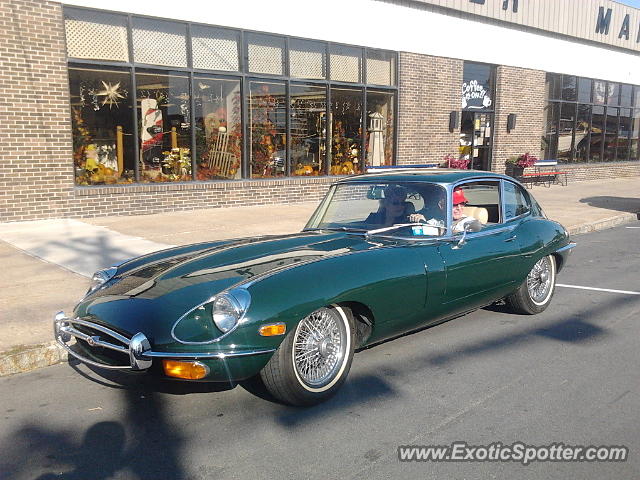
x: 343, y: 229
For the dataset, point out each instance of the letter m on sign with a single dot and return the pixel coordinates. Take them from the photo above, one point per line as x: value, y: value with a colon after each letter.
x: 602, y: 25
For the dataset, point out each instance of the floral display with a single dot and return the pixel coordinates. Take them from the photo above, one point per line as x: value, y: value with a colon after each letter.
x: 461, y: 163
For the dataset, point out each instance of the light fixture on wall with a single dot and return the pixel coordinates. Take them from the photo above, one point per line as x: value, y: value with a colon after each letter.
x: 453, y: 121
x: 511, y: 122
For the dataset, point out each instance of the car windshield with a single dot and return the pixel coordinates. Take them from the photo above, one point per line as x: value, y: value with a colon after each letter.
x: 372, y: 206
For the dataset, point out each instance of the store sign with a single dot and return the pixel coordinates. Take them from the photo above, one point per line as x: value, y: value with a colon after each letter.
x: 604, y: 22
x: 475, y: 96
x: 505, y: 4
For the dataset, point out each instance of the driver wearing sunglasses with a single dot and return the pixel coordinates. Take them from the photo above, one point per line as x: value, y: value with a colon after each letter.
x: 394, y: 207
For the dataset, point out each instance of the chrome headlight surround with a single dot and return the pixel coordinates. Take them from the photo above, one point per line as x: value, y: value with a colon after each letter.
x: 228, y: 308
x: 101, y: 277
x: 225, y: 312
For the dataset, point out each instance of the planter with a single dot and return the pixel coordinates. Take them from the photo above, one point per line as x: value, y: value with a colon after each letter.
x: 514, y: 171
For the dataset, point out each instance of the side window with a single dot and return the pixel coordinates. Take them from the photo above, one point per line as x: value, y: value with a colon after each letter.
x: 482, y: 200
x: 515, y: 201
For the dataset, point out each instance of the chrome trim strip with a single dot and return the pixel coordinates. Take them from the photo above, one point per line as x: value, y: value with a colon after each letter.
x: 90, y: 362
x: 99, y: 327
x: 219, y: 355
x: 93, y: 341
x: 567, y: 247
x: 63, y: 333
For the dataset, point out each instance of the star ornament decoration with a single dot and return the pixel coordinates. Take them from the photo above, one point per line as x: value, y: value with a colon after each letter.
x: 110, y: 94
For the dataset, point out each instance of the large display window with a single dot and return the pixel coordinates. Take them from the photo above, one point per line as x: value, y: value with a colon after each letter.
x: 218, y: 125
x: 164, y: 103
x: 180, y: 101
x: 380, y: 128
x: 603, y: 130
x: 102, y: 125
x: 267, y: 129
x: 308, y: 129
x: 346, y: 131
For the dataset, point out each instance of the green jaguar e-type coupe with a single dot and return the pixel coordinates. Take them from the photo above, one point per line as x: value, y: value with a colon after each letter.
x: 382, y: 255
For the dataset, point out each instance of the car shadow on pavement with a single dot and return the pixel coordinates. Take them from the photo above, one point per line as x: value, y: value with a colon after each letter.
x: 144, y: 444
x: 620, y: 204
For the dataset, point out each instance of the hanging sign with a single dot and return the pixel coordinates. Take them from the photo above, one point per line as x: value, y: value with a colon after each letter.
x: 475, y: 96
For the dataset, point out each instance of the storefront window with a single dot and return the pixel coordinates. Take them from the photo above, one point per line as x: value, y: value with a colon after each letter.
x: 552, y: 86
x: 267, y: 129
x: 218, y: 128
x: 584, y: 90
x: 569, y: 88
x: 265, y: 54
x: 381, y: 68
x: 380, y: 120
x: 624, y: 131
x: 307, y: 59
x: 346, y: 64
x: 604, y: 122
x: 308, y: 130
x: 597, y: 130
x: 102, y: 125
x: 159, y: 42
x: 550, y: 139
x: 635, y: 136
x: 163, y: 102
x: 583, y: 128
x: 565, y: 132
x: 346, y: 131
x: 611, y: 134
x: 96, y: 35
x: 625, y: 95
x: 180, y: 101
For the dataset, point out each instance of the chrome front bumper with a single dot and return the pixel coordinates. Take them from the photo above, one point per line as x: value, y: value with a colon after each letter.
x: 137, y: 348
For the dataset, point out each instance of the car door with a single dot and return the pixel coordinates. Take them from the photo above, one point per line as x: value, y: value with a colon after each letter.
x: 479, y: 269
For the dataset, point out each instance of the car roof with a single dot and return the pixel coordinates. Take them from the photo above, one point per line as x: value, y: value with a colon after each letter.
x: 435, y: 175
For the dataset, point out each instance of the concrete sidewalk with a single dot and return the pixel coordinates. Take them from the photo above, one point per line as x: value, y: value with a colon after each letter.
x: 46, y: 264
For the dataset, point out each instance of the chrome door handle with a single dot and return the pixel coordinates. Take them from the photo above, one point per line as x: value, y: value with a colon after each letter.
x: 511, y: 239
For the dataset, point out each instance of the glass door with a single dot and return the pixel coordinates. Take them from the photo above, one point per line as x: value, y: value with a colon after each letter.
x: 476, y: 134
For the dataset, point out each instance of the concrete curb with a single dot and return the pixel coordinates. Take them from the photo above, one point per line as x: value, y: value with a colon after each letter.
x: 29, y: 357
x: 604, y: 223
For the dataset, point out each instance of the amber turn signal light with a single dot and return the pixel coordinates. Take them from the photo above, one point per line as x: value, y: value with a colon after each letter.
x: 272, y: 329
x: 186, y: 370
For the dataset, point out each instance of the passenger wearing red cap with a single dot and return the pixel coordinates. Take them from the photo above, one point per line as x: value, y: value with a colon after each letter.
x: 460, y: 220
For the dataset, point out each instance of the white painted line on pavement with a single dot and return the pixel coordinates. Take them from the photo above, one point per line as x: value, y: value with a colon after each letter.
x: 626, y: 292
x: 631, y: 227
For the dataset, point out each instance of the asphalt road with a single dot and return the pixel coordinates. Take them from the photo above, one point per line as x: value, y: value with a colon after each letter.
x: 569, y: 375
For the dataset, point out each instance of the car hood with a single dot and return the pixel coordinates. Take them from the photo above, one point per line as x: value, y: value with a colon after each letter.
x: 177, y: 279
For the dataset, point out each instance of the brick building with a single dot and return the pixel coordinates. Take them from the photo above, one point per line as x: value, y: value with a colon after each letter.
x: 151, y: 107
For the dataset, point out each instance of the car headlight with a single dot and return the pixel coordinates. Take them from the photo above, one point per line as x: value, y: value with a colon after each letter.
x: 229, y: 308
x: 101, y: 277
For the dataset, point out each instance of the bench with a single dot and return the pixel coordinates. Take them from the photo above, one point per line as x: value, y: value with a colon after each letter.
x: 546, y: 172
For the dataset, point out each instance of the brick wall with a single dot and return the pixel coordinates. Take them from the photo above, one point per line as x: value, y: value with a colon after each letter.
x: 520, y: 91
x: 429, y: 91
x: 36, y: 171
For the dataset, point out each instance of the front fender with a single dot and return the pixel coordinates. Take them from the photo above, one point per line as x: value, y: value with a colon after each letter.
x: 391, y: 282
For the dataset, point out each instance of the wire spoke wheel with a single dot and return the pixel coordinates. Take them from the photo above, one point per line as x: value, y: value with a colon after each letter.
x: 319, y: 347
x: 540, y: 280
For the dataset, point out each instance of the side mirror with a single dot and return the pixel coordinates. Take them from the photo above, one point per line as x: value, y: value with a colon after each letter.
x: 462, y: 242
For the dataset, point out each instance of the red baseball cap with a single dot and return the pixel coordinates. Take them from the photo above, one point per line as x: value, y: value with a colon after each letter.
x: 458, y: 196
